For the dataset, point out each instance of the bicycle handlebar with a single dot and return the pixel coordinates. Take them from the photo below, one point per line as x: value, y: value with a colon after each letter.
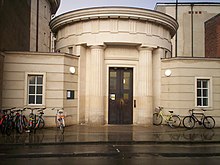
x: 5, y: 111
x: 57, y: 109
x: 159, y: 107
x: 192, y: 111
x: 8, y: 109
x: 32, y: 109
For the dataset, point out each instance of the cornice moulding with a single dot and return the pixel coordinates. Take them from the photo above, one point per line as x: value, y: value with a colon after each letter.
x: 115, y: 13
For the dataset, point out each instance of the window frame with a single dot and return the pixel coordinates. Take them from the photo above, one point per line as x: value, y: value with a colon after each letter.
x: 209, y: 87
x: 27, y: 88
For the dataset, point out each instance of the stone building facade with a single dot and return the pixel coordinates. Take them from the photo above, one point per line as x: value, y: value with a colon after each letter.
x: 1, y: 75
x: 191, y: 18
x: 53, y: 82
x: 40, y: 33
x: 120, y: 51
x: 15, y: 25
x: 112, y: 67
x: 25, y: 24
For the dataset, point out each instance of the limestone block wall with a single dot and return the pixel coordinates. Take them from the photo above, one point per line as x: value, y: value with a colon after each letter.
x: 112, y: 31
x: 115, y: 37
x: 146, y: 88
x: 98, y: 26
x: 191, y: 19
x: 1, y: 76
x: 178, y: 91
x: 39, y: 26
x: 57, y: 80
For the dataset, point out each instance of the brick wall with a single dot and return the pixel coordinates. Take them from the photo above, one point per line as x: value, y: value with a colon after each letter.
x: 212, y: 37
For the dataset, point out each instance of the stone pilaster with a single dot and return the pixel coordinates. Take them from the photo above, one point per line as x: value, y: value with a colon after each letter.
x: 145, y: 86
x: 158, y: 54
x: 96, y: 91
x: 1, y: 76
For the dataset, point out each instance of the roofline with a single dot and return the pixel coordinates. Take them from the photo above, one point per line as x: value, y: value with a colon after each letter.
x: 33, y: 53
x: 213, y: 18
x: 114, y: 12
x: 188, y: 3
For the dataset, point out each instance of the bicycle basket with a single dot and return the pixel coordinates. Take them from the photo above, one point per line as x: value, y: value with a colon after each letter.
x: 157, y: 109
x: 61, y: 115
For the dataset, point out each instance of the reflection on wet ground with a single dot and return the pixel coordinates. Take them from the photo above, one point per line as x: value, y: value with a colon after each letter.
x: 187, y: 135
x: 109, y: 133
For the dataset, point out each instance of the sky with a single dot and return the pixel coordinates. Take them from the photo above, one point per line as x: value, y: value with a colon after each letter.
x: 69, y: 5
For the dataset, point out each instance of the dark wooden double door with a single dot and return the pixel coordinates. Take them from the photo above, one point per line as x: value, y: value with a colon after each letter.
x: 120, y: 110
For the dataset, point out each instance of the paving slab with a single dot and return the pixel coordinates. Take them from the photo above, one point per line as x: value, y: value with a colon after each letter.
x: 81, y: 134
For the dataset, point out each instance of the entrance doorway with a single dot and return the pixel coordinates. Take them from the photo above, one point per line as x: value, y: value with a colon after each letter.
x: 120, y: 110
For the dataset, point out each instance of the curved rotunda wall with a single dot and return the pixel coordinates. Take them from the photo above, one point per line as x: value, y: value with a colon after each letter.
x: 115, y: 37
x: 96, y: 26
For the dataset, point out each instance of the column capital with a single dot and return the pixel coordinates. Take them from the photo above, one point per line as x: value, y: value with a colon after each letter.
x: 146, y: 47
x: 97, y: 46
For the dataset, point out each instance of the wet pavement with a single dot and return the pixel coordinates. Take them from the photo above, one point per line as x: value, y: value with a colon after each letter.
x: 115, y: 134
x: 112, y: 144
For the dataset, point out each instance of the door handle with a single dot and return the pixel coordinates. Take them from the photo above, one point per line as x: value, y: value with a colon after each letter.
x: 134, y: 103
x: 121, y: 103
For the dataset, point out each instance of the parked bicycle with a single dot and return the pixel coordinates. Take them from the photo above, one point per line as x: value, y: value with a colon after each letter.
x: 171, y: 119
x: 40, y: 123
x: 6, y: 122
x: 198, y: 117
x: 20, y: 120
x: 36, y: 121
x: 60, y: 119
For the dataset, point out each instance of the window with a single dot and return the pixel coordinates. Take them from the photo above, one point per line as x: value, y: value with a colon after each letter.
x: 70, y: 50
x: 203, y: 92
x: 70, y: 94
x: 35, y: 89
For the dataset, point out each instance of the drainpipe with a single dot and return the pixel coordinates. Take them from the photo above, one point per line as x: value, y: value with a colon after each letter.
x: 192, y: 39
x: 37, y: 25
x: 177, y: 30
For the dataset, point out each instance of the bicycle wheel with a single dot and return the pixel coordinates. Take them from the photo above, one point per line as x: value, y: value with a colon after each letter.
x: 175, y: 121
x: 189, y: 122
x: 157, y: 119
x: 24, y: 122
x: 62, y: 128
x: 209, y: 122
x: 8, y: 128
x: 19, y: 126
x: 3, y: 126
x: 41, y: 123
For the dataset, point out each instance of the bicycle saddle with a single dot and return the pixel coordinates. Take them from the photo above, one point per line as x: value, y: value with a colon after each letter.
x: 41, y: 112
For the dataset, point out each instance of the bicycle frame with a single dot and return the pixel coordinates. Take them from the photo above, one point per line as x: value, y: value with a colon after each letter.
x: 165, y: 117
x: 60, y: 118
x: 34, y: 122
x: 171, y: 119
x: 198, y: 117
x: 193, y: 115
x: 7, y: 121
x: 39, y: 120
